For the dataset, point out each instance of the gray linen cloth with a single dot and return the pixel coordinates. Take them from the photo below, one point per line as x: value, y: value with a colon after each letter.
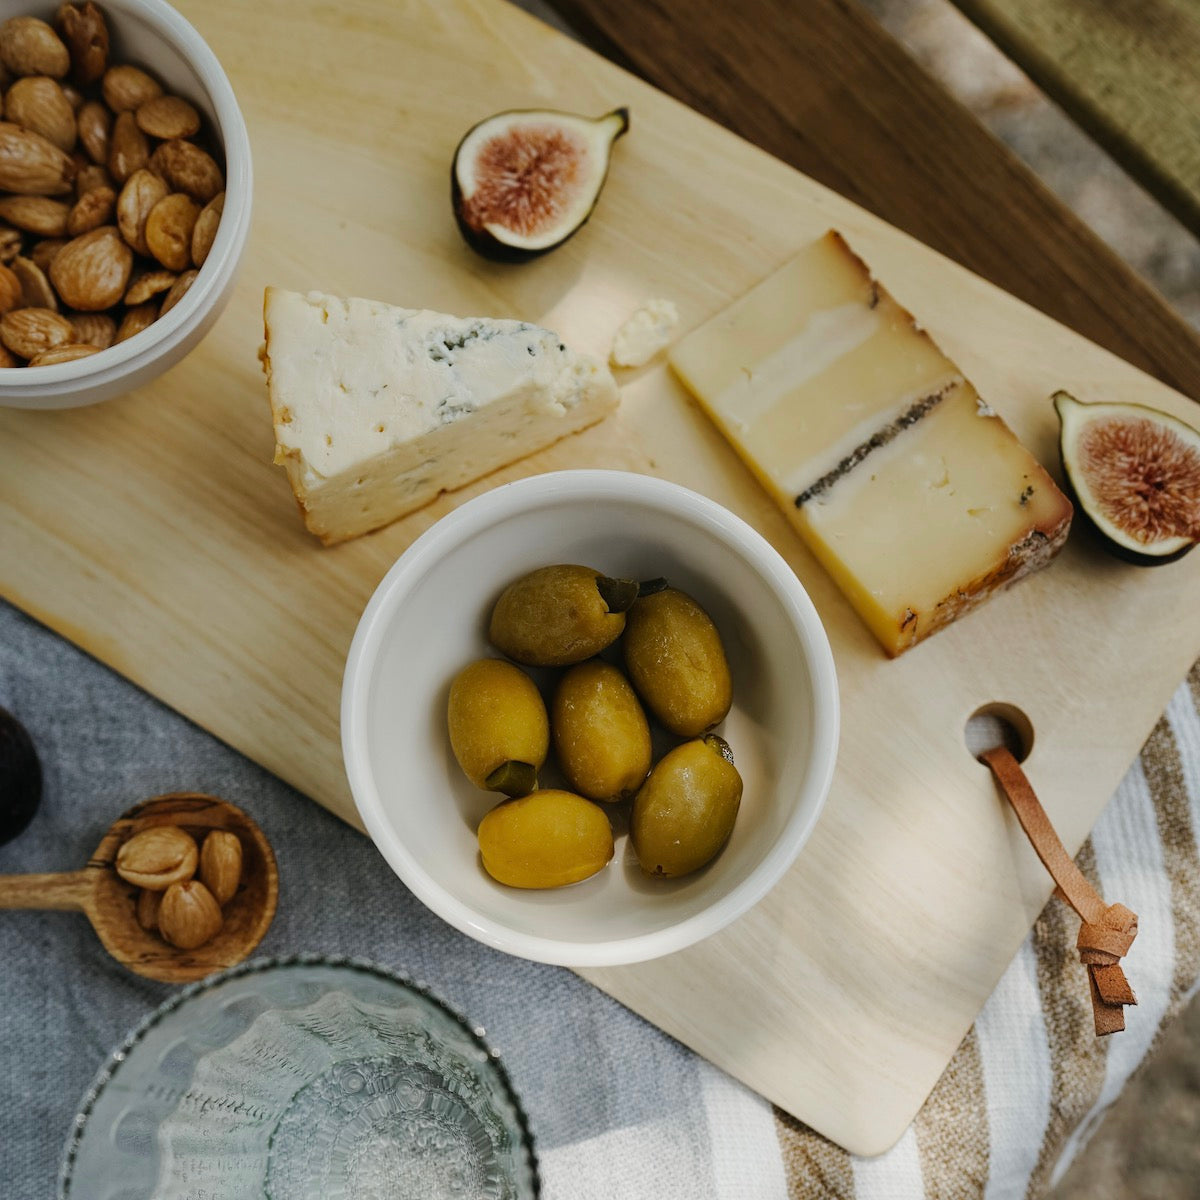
x: 611, y: 1100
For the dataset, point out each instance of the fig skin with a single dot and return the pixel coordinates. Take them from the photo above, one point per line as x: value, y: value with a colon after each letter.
x: 485, y: 243
x: 1065, y: 404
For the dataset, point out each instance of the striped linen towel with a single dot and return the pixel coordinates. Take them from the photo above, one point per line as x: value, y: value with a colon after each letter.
x: 1030, y: 1082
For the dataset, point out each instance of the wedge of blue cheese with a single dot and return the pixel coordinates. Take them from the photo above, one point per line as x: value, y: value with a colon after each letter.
x: 379, y: 409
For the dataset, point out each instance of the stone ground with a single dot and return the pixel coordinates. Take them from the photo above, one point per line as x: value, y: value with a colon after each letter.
x: 1148, y: 1147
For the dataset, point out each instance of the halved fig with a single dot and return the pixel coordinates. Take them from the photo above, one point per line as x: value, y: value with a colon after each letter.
x: 1135, y: 473
x: 524, y: 181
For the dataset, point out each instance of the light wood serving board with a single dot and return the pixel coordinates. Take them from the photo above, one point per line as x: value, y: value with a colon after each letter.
x: 154, y: 532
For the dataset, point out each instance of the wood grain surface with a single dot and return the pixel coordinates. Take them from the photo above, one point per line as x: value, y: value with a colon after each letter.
x: 154, y: 531
x: 1126, y: 70
x: 821, y: 86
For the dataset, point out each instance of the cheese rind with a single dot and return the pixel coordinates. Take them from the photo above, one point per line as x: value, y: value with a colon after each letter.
x: 944, y: 514
x: 379, y: 409
x: 912, y: 493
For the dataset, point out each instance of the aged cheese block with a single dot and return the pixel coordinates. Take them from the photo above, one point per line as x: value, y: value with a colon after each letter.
x: 378, y: 409
x: 916, y: 497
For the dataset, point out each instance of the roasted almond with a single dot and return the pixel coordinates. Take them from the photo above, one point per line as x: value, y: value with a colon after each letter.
x: 85, y: 32
x: 8, y: 358
x: 142, y: 191
x: 30, y: 47
x: 148, y: 904
x: 94, y: 329
x: 43, y: 253
x: 177, y: 292
x: 36, y: 291
x: 221, y: 864
x: 29, y: 331
x: 92, y: 176
x: 61, y: 354
x: 168, y: 117
x: 128, y: 149
x: 36, y: 214
x: 157, y: 164
x: 189, y: 915
x: 10, y: 289
x: 92, y: 209
x: 169, y: 230
x: 158, y: 857
x: 135, y: 320
x: 32, y: 166
x: 10, y: 244
x: 127, y: 88
x: 91, y: 272
x: 206, y: 228
x: 189, y: 169
x: 74, y: 96
x: 95, y: 130
x: 149, y: 284
x: 37, y: 102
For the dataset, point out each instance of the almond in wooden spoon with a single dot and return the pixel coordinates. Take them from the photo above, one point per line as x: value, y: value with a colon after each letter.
x: 111, y: 904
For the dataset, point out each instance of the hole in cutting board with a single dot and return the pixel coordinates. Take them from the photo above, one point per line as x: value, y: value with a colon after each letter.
x: 999, y: 724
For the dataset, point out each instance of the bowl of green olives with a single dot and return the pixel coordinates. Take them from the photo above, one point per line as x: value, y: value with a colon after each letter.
x: 590, y: 717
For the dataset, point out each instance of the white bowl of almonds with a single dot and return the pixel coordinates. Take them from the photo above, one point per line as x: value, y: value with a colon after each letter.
x: 125, y: 196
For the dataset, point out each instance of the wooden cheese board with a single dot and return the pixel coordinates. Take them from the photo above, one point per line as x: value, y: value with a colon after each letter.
x: 154, y: 532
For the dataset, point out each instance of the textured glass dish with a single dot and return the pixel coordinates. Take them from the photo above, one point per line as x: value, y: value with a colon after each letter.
x: 298, y: 1078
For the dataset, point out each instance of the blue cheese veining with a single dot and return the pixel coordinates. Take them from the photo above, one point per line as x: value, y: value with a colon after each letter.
x: 379, y: 409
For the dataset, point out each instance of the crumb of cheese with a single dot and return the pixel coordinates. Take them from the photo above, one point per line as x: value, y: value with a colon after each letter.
x: 648, y: 330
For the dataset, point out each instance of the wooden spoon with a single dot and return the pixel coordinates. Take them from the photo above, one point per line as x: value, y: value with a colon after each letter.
x: 110, y: 903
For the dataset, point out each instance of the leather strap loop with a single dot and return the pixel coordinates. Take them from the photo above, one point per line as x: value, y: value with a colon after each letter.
x: 1107, y: 931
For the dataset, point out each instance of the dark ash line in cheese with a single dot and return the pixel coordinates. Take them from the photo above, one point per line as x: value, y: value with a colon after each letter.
x: 908, y: 418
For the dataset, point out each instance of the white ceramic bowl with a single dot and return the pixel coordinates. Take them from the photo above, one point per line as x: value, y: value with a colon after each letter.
x: 428, y: 618
x: 152, y: 34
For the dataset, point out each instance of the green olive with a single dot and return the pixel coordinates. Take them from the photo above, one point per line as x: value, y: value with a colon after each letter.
x: 556, y: 616
x: 601, y: 735
x: 545, y: 840
x: 674, y: 656
x: 499, y: 731
x: 685, y: 811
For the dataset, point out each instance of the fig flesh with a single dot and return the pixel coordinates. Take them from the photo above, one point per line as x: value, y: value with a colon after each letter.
x: 524, y: 181
x: 1135, y: 472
